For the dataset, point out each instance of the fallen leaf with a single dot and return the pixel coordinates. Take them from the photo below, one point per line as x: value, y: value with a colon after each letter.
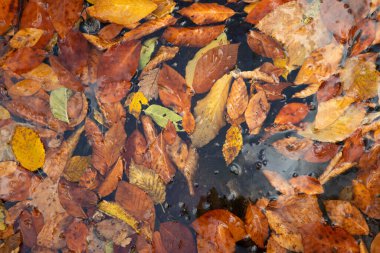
x: 162, y: 115
x: 58, y: 103
x: 264, y: 45
x: 110, y: 182
x: 77, y: 108
x: 113, y: 113
x: 24, y: 88
x: 24, y: 59
x: 209, y: 113
x: 292, y: 113
x: 147, y: 180
x: 198, y: 36
x: 157, y: 244
x: 274, y: 247
x: 76, y: 236
x: 256, y: 225
x: 206, y: 13
x: 163, y: 54
x: 375, y: 245
x: 30, y: 225
x: 9, y: 10
x: 261, y: 9
x: 115, y: 231
x: 124, y: 12
x: 366, y: 32
x: 177, y: 237
x: 293, y: 147
x: 137, y: 101
x: 135, y: 148
x: 164, y: 7
x: 319, y: 237
x: 89, y: 179
x: 273, y: 91
x: 147, y: 50
x: 329, y: 89
x: 233, y: 144
x: 148, y: 84
x: 365, y: 200
x: 306, y: 184
x: 99, y: 43
x: 27, y: 37
x: 353, y: 148
x: 110, y: 31
x: 256, y: 112
x: 321, y: 152
x: 45, y: 75
x: 217, y: 239
x: 237, y: 100
x: 278, y: 182
x: 65, y: 77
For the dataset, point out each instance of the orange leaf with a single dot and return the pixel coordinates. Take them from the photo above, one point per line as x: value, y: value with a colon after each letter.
x: 176, y: 237
x: 233, y: 144
x: 24, y: 59
x: 163, y: 54
x: 265, y: 45
x: 274, y: 247
x: 256, y: 225
x: 76, y: 236
x: 353, y: 147
x: 256, y: 112
x: 206, y: 13
x: 306, y: 184
x: 237, y: 100
x: 321, y: 152
x: 65, y: 78
x: 292, y: 113
x: 262, y: 8
x: 8, y: 12
x: 329, y: 89
x: 375, y: 245
x: 198, y: 36
x: 135, y: 148
x: 109, y: 32
x: 24, y: 88
x: 278, y: 182
x: 112, y: 92
x: 110, y: 182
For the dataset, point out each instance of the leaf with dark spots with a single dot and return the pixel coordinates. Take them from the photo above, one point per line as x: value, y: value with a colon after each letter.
x: 31, y: 224
x: 317, y: 237
x: 198, y: 36
x: 177, y: 237
x: 65, y: 78
x: 262, y: 8
x: 292, y: 113
x: 329, y: 89
x: 24, y: 59
x: 119, y: 63
x: 206, y: 13
x: 306, y: 184
x: 353, y: 147
x: 256, y: 225
x: 76, y: 236
x: 264, y: 45
x: 8, y: 13
x: 321, y: 152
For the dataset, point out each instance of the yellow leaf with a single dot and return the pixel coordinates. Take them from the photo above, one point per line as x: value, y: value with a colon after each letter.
x: 4, y: 114
x: 27, y: 37
x: 75, y: 167
x: 250, y: 7
x: 233, y: 144
x: 115, y: 210
x: 98, y: 42
x: 122, y: 12
x: 282, y: 64
x: 137, y: 101
x: 164, y: 7
x: 28, y: 148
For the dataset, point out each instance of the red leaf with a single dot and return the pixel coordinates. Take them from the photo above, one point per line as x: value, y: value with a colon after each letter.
x: 31, y: 224
x: 321, y: 152
x: 177, y: 238
x: 292, y: 113
x: 263, y: 8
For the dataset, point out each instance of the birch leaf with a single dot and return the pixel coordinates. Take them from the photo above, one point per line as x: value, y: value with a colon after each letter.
x: 233, y: 144
x: 58, y: 103
x: 209, y: 112
x: 162, y: 115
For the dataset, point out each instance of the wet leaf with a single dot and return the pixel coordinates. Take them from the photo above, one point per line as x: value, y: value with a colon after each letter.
x: 256, y: 112
x: 256, y: 225
x: 209, y: 113
x: 76, y: 236
x: 58, y: 103
x: 162, y: 115
x: 262, y: 8
x: 148, y: 84
x: 233, y: 144
x: 115, y: 210
x: 65, y: 77
x: 30, y: 225
x: 206, y: 13
x: 110, y: 182
x: 274, y: 247
x: 365, y: 200
x: 27, y: 37
x: 137, y: 101
x: 306, y: 184
x: 177, y: 237
x: 45, y: 75
x: 147, y: 50
x: 28, y: 148
x: 329, y: 89
x: 135, y: 148
x: 375, y: 245
x: 110, y: 31
x: 237, y: 100
x: 367, y: 34
x: 354, y: 147
x: 163, y: 54
x: 278, y: 182
x: 124, y: 12
x: 99, y: 43
x: 9, y: 9
x: 24, y: 59
x: 293, y: 147
x: 147, y: 180
x: 264, y: 45
x: 316, y: 236
x: 292, y: 113
x: 164, y: 7
x: 343, y: 214
x: 24, y: 88
x: 198, y: 36
x: 115, y: 231
x: 218, y: 239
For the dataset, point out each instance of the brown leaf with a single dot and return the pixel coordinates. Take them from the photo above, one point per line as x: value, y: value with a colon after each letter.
x: 234, y: 224
x: 353, y: 147
x: 206, y: 13
x: 113, y: 92
x: 163, y: 54
x: 365, y: 200
x: 45, y: 75
x: 278, y: 182
x: 329, y: 89
x: 56, y: 159
x: 293, y: 147
x: 375, y: 245
x: 77, y: 108
x: 274, y: 247
x: 256, y: 112
x: 274, y: 91
x: 213, y: 65
x: 115, y: 231
x: 135, y: 148
x: 113, y: 113
x: 237, y: 100
x: 110, y: 182
x: 265, y: 45
x: 8, y: 13
x: 158, y: 246
x: 292, y: 113
x: 148, y: 83
x: 76, y: 236
x: 119, y: 63
x: 65, y: 78
x: 366, y: 32
x: 24, y: 59
x: 31, y: 224
x: 176, y: 237
x: 262, y: 8
x: 89, y: 179
x: 198, y: 36
x: 317, y: 237
x: 346, y: 216
x: 110, y: 31
x: 52, y: 235
x: 306, y: 184
x: 218, y: 239
x: 321, y: 152
x: 256, y: 225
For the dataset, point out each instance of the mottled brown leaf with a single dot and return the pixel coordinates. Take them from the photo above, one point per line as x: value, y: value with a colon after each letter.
x: 321, y: 152
x: 264, y: 45
x: 292, y: 113
x: 113, y: 177
x: 65, y: 77
x: 256, y: 225
x: 306, y: 184
x: 237, y: 100
x: 329, y: 89
x: 8, y: 12
x: 262, y: 8
x: 206, y: 13
x: 256, y: 112
x: 24, y: 59
x: 76, y: 236
x: 31, y: 224
x: 177, y: 237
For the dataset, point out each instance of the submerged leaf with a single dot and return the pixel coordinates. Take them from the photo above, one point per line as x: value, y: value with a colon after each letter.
x: 278, y: 182
x: 177, y: 237
x: 58, y: 103
x: 206, y: 13
x: 233, y: 144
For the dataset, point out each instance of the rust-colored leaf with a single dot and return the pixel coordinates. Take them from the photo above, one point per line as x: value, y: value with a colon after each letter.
x: 237, y: 100
x: 8, y: 13
x: 343, y: 214
x: 274, y: 247
x: 218, y: 239
x: 292, y: 113
x: 329, y: 89
x: 256, y: 112
x: 158, y: 246
x: 163, y: 54
x: 256, y: 225
x: 76, y: 236
x: 317, y: 237
x: 110, y: 182
x: 278, y: 182
x: 375, y: 245
x: 274, y: 91
x: 353, y: 147
x: 77, y: 108
x: 109, y: 32
x: 365, y: 200
x: 293, y: 147
x: 206, y: 13
x: 31, y: 224
x: 262, y: 8
x: 364, y: 34
x: 24, y: 59
x: 177, y: 237
x: 113, y: 92
x: 135, y: 148
x: 264, y: 45
x: 198, y: 36
x: 65, y: 78
x: 113, y: 113
x: 321, y: 152
x: 24, y: 88
x: 306, y: 184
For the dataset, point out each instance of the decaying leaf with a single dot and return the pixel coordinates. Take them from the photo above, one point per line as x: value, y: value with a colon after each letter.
x: 293, y: 147
x: 110, y: 182
x: 163, y: 54
x: 27, y: 37
x: 137, y: 101
x: 237, y: 100
x: 292, y: 113
x: 347, y: 216
x: 177, y: 237
x: 115, y: 231
x: 256, y: 225
x: 148, y: 84
x: 76, y: 236
x: 209, y: 112
x: 306, y: 184
x: 233, y: 144
x: 206, y: 13
x: 256, y: 112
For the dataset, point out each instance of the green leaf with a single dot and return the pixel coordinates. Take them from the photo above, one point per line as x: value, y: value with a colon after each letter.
x: 161, y: 115
x: 147, y: 50
x: 58, y: 103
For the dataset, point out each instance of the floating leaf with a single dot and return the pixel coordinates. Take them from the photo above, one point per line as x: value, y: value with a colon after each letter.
x: 162, y: 115
x: 278, y: 182
x: 264, y: 45
x: 206, y: 13
x: 110, y: 31
x: 164, y: 7
x: 292, y: 113
x: 329, y: 89
x: 163, y: 54
x: 147, y: 50
x: 115, y: 210
x: 28, y: 148
x: 45, y: 75
x: 147, y: 180
x: 256, y: 225
x: 26, y: 37
x: 135, y: 107
x: 209, y: 113
x: 148, y: 84
x: 233, y: 144
x: 58, y: 103
x: 177, y: 237
x: 237, y: 100
x: 261, y: 9
x: 256, y: 112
